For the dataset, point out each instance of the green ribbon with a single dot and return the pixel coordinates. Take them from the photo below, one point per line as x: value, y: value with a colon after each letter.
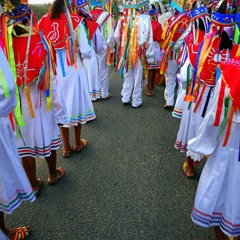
x: 224, y: 122
x: 236, y: 34
x: 188, y: 77
x: 13, y: 68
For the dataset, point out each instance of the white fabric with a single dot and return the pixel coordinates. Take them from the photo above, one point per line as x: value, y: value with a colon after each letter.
x: 6, y: 104
x: 14, y: 185
x: 191, y: 121
x: 133, y: 85
x: 170, y: 77
x: 3, y: 236
x: 40, y: 135
x: 133, y: 77
x: 178, y: 108
x: 85, y: 48
x: 164, y: 17
x: 92, y: 71
x: 103, y: 71
x: 218, y: 193
x: 98, y: 41
x: 145, y: 35
x: 74, y: 86
x: 90, y: 64
x: 157, y: 53
x: 181, y: 77
x: 108, y: 39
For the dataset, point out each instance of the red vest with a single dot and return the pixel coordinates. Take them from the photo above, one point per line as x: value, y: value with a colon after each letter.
x: 92, y: 27
x: 30, y: 64
x: 58, y: 30
x: 100, y: 15
x: 231, y: 76
x: 193, y: 48
x: 213, y: 59
x: 157, y: 30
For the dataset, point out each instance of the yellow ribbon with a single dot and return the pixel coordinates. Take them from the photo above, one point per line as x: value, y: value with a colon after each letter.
x: 11, y: 60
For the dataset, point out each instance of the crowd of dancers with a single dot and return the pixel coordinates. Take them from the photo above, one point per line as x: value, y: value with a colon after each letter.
x: 51, y: 72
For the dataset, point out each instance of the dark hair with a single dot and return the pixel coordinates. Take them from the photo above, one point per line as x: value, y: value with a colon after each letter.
x: 201, y: 25
x: 56, y: 9
x: 226, y: 42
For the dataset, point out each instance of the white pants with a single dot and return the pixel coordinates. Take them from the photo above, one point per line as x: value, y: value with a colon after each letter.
x: 133, y: 85
x: 103, y: 72
x: 171, y: 77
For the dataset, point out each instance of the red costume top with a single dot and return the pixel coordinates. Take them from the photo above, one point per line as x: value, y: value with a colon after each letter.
x: 57, y: 30
x: 231, y: 76
x: 193, y: 48
x: 174, y: 28
x: 157, y: 31
x: 92, y: 27
x: 214, y: 58
x: 100, y: 15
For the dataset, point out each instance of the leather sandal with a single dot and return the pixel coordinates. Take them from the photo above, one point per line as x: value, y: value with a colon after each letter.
x: 60, y: 174
x: 83, y: 145
x: 66, y: 153
x: 19, y: 233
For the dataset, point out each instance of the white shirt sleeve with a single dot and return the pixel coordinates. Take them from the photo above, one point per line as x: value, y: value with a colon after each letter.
x: 206, y: 140
x: 84, y: 47
x: 7, y: 103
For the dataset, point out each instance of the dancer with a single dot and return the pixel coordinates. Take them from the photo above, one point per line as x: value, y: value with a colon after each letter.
x: 15, y: 187
x: 217, y: 197
x: 135, y: 39
x: 153, y: 67
x: 217, y: 47
x: 175, y: 30
x: 39, y: 95
x: 70, y: 72
x: 96, y: 43
x: 104, y: 19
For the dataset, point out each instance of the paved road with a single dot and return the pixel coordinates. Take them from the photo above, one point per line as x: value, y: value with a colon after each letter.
x: 126, y: 185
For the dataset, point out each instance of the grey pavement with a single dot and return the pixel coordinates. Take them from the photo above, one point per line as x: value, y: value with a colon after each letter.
x: 127, y: 184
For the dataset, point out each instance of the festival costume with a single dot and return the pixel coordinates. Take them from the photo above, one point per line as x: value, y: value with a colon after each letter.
x: 39, y: 95
x: 188, y: 126
x: 157, y: 33
x: 134, y: 34
x: 69, y: 68
x: 91, y: 64
x: 104, y: 19
x: 218, y: 195
x: 14, y: 184
x: 162, y: 19
x: 178, y: 107
x: 200, y: 92
x: 175, y: 30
